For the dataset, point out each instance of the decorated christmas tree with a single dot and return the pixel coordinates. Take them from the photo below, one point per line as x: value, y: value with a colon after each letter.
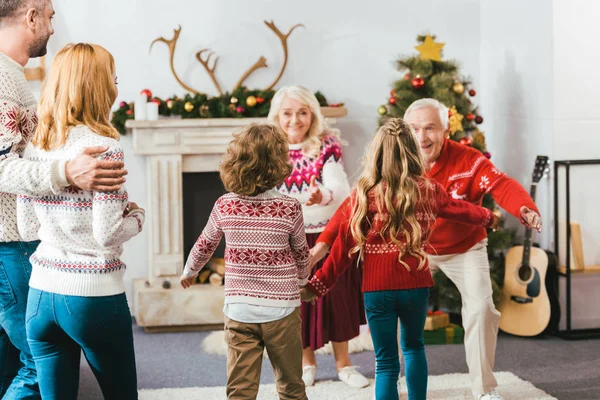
x: 427, y: 75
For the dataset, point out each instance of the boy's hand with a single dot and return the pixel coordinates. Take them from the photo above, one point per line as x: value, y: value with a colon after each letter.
x: 187, y: 280
x: 307, y: 296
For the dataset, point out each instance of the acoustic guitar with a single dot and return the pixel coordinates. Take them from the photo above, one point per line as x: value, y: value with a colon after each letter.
x: 529, y: 304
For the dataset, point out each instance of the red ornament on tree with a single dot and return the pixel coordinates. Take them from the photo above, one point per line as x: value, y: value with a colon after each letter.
x: 147, y: 93
x: 407, y: 76
x: 392, y: 100
x: 129, y: 112
x: 472, y: 92
x: 122, y: 104
x: 240, y: 110
x: 393, y: 93
x: 467, y: 141
x: 418, y: 83
x: 470, y: 117
x: 478, y: 119
x: 259, y: 100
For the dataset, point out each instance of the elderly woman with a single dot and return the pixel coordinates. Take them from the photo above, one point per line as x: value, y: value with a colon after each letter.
x: 319, y: 182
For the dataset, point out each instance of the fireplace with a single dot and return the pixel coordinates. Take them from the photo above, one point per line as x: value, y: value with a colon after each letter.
x: 180, y: 156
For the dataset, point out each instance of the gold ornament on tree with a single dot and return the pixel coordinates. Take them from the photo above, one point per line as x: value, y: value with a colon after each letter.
x: 458, y: 88
x: 455, y: 121
x: 209, y: 59
x: 430, y: 50
x: 250, y: 101
x: 188, y: 106
x: 382, y: 110
x: 234, y: 100
x: 204, y: 110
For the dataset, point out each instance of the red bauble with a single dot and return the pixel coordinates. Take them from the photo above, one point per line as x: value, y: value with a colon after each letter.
x: 240, y: 109
x: 407, y: 76
x: 393, y: 93
x: 478, y: 119
x: 467, y: 141
x: 418, y: 83
x: 122, y: 104
x: 392, y: 100
x: 129, y: 112
x: 470, y: 117
x: 156, y: 101
x: 472, y: 92
x: 147, y: 93
x: 259, y: 100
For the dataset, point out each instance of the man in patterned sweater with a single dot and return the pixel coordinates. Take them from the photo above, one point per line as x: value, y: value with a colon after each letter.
x: 460, y: 250
x: 25, y: 28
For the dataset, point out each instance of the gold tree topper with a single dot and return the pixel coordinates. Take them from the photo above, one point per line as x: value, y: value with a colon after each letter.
x: 430, y: 50
x: 207, y: 56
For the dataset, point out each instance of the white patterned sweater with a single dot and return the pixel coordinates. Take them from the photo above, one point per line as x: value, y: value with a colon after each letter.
x: 266, y: 254
x: 81, y: 232
x: 18, y: 120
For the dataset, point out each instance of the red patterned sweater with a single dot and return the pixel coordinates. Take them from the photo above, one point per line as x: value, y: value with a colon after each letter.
x: 266, y: 254
x: 465, y: 174
x: 381, y: 268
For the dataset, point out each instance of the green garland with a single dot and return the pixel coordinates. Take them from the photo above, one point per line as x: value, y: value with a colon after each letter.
x: 242, y: 103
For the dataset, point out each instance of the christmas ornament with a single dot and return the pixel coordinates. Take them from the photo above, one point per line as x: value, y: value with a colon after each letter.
x: 458, y: 88
x: 251, y: 101
x: 204, y: 110
x: 392, y: 100
x: 240, y: 109
x: 232, y: 108
x: 382, y: 110
x: 455, y: 121
x: 487, y: 154
x: 234, y: 100
x: 393, y: 93
x: 129, y: 112
x: 155, y: 101
x: 470, y: 117
x: 478, y: 119
x: 472, y: 92
x: 188, y: 106
x: 169, y: 104
x: 122, y: 104
x: 146, y: 92
x: 418, y: 82
x: 430, y: 50
x: 467, y: 141
x: 407, y: 76
x: 259, y: 100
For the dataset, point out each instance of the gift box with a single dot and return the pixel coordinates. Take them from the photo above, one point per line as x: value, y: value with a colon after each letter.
x: 451, y: 334
x: 436, y: 320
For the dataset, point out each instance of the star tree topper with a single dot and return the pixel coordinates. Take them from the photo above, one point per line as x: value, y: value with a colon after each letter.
x: 430, y: 50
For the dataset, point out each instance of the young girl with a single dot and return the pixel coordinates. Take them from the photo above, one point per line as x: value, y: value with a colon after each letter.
x: 266, y: 260
x: 77, y: 297
x: 385, y: 223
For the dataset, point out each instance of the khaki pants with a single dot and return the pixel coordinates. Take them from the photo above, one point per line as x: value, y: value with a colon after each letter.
x: 470, y: 272
x: 246, y: 344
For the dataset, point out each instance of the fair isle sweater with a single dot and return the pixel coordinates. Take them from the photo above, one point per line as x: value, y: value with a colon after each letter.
x: 381, y: 268
x: 266, y: 254
x: 330, y: 176
x: 18, y: 120
x: 81, y: 232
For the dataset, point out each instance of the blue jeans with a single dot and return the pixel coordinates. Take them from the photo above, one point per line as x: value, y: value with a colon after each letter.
x: 18, y: 377
x: 59, y: 327
x: 384, y: 308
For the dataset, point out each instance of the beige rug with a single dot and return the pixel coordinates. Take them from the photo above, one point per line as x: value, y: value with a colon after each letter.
x: 442, y: 387
x: 214, y: 343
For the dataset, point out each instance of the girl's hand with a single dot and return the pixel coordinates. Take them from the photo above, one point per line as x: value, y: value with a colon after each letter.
x: 130, y: 207
x: 187, y: 280
x: 531, y: 219
x: 317, y: 253
x: 307, y: 296
x: 315, y: 193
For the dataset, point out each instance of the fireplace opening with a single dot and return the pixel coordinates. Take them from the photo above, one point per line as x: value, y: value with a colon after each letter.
x: 200, y: 192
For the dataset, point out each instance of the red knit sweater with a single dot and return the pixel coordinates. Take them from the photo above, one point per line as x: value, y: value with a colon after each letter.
x: 465, y: 174
x: 381, y: 268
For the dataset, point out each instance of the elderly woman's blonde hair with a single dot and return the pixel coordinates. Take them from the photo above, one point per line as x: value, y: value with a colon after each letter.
x: 318, y: 128
x: 257, y: 160
x: 80, y: 89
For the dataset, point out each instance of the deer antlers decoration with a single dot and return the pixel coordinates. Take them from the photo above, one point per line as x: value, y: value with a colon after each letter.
x: 206, y: 61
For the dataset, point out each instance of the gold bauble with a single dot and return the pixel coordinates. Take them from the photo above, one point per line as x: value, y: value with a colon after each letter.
x: 234, y: 100
x: 188, y: 106
x: 169, y: 104
x: 382, y: 110
x: 250, y: 101
x: 204, y: 110
x: 458, y: 88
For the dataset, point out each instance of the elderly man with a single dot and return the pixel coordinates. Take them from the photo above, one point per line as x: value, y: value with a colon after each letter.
x: 25, y: 28
x: 460, y: 250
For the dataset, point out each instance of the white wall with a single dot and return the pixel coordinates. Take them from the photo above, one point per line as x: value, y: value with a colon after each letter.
x: 516, y: 93
x: 346, y: 50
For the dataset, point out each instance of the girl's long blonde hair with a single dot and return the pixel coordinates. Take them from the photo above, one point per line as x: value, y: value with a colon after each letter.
x: 394, y: 169
x: 80, y: 89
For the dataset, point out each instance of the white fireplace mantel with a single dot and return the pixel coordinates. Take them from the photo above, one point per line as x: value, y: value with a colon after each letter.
x: 173, y: 147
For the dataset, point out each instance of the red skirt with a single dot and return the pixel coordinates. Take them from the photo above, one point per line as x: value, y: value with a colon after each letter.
x: 338, y: 315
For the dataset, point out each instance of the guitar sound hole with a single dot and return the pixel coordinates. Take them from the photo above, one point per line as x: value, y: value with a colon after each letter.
x: 524, y: 273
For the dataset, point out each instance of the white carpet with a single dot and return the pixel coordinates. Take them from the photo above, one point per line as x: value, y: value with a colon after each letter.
x: 446, y: 387
x: 214, y: 343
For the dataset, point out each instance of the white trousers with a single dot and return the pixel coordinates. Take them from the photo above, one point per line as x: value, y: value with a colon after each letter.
x: 470, y: 272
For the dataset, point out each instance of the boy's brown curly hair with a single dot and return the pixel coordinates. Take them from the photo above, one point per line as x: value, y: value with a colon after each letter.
x: 257, y: 160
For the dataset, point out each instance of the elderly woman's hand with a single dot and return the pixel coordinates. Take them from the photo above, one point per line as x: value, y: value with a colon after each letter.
x: 315, y: 193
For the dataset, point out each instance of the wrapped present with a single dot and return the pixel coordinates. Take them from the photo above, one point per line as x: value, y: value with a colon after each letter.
x: 451, y: 334
x: 436, y: 320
